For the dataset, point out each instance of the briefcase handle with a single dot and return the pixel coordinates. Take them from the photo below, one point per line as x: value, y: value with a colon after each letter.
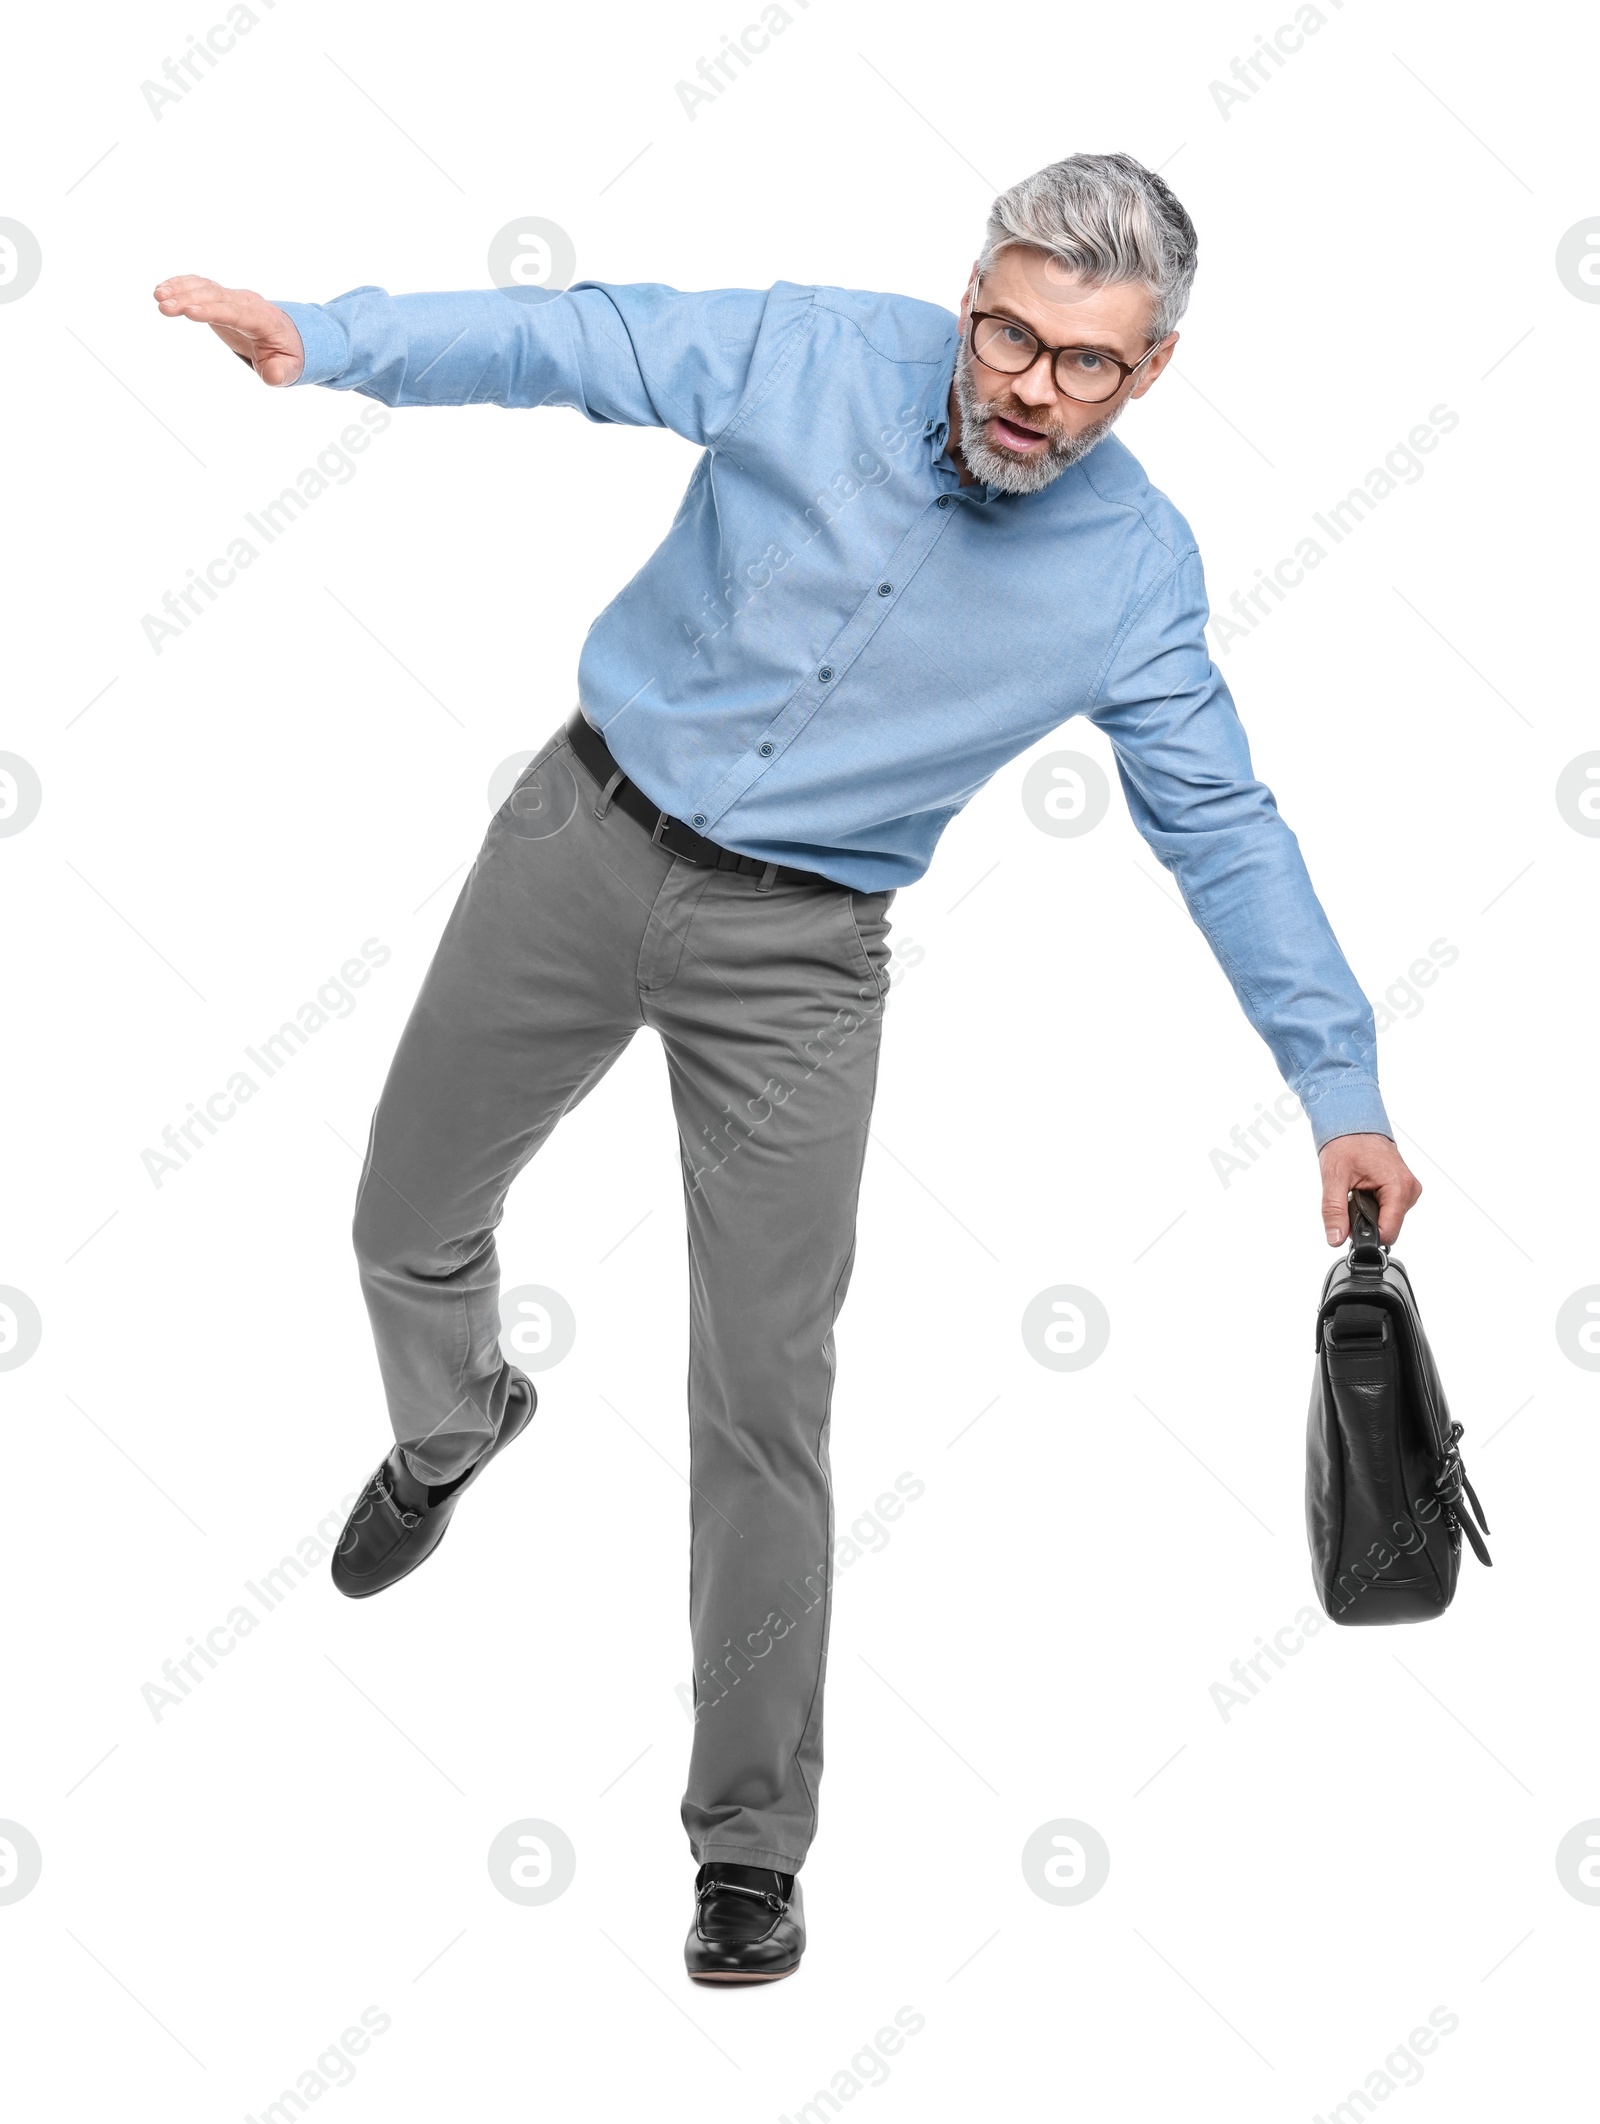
x: 1366, y: 1249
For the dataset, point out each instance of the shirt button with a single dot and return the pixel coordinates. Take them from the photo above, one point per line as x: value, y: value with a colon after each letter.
x: 825, y: 673
x: 699, y: 819
x: 884, y: 589
x: 765, y: 751
x: 943, y: 502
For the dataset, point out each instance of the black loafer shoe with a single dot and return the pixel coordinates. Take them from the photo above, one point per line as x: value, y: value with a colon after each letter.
x: 399, y: 1521
x: 749, y: 1925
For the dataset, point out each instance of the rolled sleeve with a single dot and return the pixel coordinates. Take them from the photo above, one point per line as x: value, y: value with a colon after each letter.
x: 327, y: 350
x: 1346, y: 1104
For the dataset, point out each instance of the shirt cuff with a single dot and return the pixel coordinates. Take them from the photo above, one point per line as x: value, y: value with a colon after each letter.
x: 1346, y: 1105
x: 326, y: 348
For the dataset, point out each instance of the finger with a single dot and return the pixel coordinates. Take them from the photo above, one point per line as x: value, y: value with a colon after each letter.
x: 220, y: 307
x: 187, y: 287
x: 205, y: 302
x: 1335, y: 1208
x: 184, y: 283
x: 1395, y: 1197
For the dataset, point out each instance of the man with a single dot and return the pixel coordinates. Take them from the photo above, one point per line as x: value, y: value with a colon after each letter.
x: 908, y: 550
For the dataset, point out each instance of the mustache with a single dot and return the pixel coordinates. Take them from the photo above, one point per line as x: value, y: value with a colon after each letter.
x: 1005, y: 407
x: 993, y: 410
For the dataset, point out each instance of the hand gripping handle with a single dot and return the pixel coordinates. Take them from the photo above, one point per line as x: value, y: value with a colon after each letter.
x: 1366, y: 1250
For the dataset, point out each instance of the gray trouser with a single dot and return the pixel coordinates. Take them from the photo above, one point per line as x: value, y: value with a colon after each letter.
x: 571, y: 932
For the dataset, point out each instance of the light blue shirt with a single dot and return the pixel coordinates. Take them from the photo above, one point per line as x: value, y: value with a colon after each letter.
x: 836, y: 644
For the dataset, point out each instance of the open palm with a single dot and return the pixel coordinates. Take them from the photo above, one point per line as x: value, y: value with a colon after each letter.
x: 244, y: 321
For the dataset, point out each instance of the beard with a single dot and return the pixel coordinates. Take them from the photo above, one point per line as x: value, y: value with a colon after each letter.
x: 1002, y: 468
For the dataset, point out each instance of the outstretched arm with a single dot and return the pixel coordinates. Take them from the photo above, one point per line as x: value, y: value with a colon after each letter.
x: 645, y: 355
x: 1185, y: 768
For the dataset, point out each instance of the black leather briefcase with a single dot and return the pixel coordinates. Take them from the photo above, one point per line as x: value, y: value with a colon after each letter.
x: 1387, y: 1499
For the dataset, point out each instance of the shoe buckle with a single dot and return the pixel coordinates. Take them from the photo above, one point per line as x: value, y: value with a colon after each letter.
x: 759, y: 1895
x: 407, y: 1518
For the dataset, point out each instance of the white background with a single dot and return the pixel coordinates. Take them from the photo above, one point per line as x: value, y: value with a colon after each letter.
x: 1293, y: 1888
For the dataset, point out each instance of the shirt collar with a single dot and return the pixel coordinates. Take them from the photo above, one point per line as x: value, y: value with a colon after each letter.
x: 936, y: 423
x: 936, y: 403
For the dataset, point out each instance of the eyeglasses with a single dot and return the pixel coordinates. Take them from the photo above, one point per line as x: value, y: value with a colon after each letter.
x: 1088, y: 374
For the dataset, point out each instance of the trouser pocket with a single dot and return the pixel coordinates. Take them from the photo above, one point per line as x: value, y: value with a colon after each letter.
x: 868, y: 916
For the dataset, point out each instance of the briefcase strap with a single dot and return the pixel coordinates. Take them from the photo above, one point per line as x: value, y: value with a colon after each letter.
x: 1366, y: 1249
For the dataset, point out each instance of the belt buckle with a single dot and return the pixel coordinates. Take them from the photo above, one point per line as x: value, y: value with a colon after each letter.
x: 658, y: 838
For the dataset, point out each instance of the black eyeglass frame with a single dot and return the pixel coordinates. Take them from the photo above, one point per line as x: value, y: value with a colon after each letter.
x: 975, y: 317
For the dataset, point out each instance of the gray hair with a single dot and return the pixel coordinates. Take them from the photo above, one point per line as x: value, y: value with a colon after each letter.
x: 1106, y: 218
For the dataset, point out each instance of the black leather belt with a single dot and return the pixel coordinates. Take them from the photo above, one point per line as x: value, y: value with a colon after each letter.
x: 666, y: 831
